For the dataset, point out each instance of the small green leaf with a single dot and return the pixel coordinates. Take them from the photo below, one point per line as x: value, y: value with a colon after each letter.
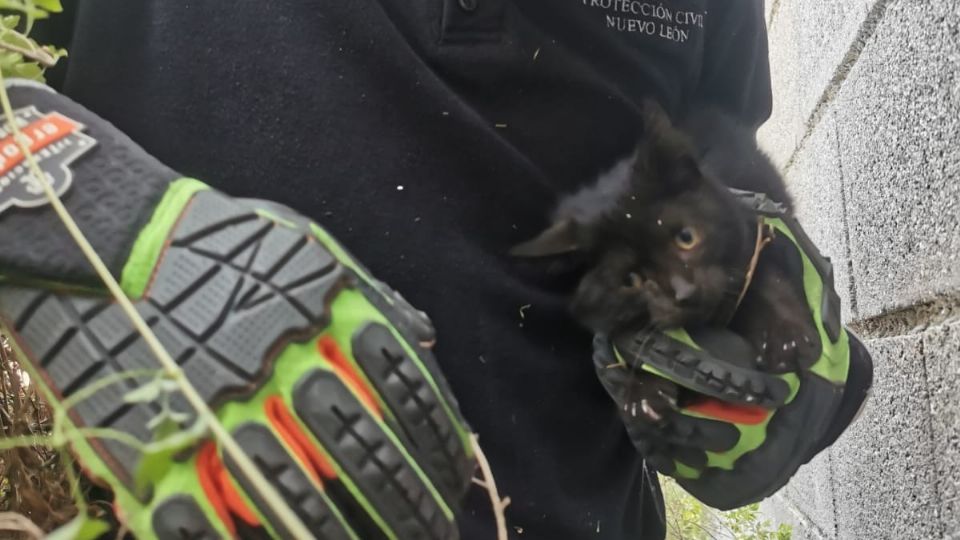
x: 152, y: 467
x: 36, y: 12
x: 55, y: 52
x: 8, y: 60
x: 178, y: 417
x: 156, y: 460
x: 10, y: 21
x: 31, y: 71
x: 82, y: 527
x: 146, y: 392
x: 16, y: 39
x: 52, y: 6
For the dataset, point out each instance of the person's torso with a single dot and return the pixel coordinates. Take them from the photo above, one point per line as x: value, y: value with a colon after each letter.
x: 428, y: 136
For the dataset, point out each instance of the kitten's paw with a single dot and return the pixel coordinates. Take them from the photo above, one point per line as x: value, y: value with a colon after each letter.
x: 786, y: 348
x: 650, y: 397
x: 664, y: 311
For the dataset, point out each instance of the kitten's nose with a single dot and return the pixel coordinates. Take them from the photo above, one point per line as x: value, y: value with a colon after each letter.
x: 682, y: 289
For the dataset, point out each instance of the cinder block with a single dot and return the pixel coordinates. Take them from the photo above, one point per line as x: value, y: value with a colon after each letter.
x: 816, y: 184
x: 941, y: 347
x: 779, y: 510
x: 885, y: 480
x: 898, y: 115
x: 811, y: 492
x: 808, y: 40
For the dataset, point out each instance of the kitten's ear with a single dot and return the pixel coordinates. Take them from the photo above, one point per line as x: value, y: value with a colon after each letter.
x: 665, y: 160
x: 655, y: 118
x: 560, y: 238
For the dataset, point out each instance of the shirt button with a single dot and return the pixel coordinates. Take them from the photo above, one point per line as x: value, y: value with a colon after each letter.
x: 468, y: 5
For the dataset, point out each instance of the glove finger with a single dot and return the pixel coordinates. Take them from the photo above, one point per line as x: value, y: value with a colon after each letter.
x: 697, y: 369
x: 661, y: 462
x: 667, y: 453
x: 310, y: 496
x: 424, y: 415
x: 680, y: 431
x: 408, y: 319
x: 686, y: 431
x: 691, y: 457
x: 376, y: 479
x: 665, y: 459
x: 394, y: 357
x: 407, y: 459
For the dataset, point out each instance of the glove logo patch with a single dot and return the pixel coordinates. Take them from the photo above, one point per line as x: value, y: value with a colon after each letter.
x: 55, y: 140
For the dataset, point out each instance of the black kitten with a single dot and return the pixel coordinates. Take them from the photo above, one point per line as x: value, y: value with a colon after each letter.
x: 668, y: 245
x: 669, y: 242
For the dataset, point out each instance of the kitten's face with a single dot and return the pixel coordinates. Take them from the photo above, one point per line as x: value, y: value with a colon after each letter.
x: 668, y: 249
x: 682, y: 252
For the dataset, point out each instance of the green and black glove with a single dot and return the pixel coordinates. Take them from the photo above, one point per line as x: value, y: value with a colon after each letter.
x: 322, y: 374
x: 741, y: 432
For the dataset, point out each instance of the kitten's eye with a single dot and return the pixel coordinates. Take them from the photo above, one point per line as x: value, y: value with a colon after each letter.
x: 687, y: 238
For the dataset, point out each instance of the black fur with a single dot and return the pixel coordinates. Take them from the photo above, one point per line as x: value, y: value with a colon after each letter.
x: 630, y: 224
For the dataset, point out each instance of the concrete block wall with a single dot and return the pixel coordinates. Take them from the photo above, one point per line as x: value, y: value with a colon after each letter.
x: 866, y: 127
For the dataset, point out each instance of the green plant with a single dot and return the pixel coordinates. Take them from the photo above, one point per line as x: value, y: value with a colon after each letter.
x: 689, y: 519
x: 33, y: 482
x: 25, y: 58
x: 36, y: 478
x: 747, y: 523
x: 20, y: 55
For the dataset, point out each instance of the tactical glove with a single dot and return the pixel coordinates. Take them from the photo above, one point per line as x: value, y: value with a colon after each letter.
x: 699, y: 407
x: 322, y: 374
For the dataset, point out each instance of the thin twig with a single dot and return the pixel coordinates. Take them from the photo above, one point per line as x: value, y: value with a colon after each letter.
x: 38, y: 55
x: 12, y: 521
x: 498, y: 504
x: 73, y: 481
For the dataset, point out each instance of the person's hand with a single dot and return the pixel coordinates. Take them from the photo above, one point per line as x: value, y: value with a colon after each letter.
x: 700, y: 407
x: 321, y: 374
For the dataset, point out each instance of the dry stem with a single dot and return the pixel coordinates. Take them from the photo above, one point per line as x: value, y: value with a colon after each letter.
x: 488, y: 483
x: 36, y: 54
x: 12, y: 521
